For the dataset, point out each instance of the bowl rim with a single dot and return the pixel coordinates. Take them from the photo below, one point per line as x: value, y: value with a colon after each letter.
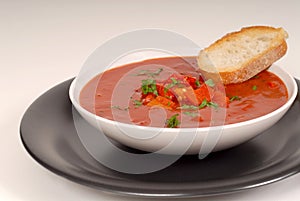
x: 285, y: 106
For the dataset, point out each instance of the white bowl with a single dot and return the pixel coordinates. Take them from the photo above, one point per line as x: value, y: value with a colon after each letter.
x: 184, y: 140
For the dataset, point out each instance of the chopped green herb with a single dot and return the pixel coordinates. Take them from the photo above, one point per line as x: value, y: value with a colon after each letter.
x: 180, y: 85
x: 254, y: 87
x: 233, y: 98
x: 149, y: 86
x: 191, y: 114
x: 173, y: 122
x: 148, y: 82
x: 169, y: 86
x: 203, y: 104
x: 210, y: 83
x: 149, y: 73
x: 256, y: 76
x: 116, y: 107
x: 188, y: 107
x: 209, y: 104
x: 174, y: 83
x: 137, y: 103
x: 119, y: 108
x: 157, y: 72
x: 212, y: 104
x: 197, y: 83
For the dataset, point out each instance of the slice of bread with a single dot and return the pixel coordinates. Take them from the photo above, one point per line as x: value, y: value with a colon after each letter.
x: 238, y: 56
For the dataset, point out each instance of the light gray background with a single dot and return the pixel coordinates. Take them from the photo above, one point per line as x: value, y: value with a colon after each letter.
x: 43, y: 43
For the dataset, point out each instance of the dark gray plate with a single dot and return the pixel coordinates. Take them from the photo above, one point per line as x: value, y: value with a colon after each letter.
x: 48, y: 133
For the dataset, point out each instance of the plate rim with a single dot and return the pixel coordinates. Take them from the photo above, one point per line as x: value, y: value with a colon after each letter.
x: 121, y: 190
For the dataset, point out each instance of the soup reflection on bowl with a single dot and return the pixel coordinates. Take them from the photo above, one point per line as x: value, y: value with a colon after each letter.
x: 165, y: 105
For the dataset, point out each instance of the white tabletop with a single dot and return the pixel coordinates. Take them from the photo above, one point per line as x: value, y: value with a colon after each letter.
x: 43, y: 43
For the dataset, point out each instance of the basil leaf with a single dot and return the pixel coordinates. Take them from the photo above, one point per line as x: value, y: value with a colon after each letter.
x: 149, y: 73
x: 149, y: 86
x: 212, y: 104
x: 188, y: 107
x: 203, y: 104
x: 233, y: 98
x: 210, y: 83
x: 137, y: 103
x: 191, y: 114
x: 173, y: 122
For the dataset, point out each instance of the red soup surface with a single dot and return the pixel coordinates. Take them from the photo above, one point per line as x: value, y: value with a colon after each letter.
x: 170, y: 92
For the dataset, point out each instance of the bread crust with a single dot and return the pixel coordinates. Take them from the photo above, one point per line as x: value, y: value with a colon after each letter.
x: 252, y: 67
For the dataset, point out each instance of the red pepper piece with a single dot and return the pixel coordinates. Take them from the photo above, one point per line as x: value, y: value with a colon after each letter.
x: 191, y: 81
x: 202, y: 93
x: 162, y: 91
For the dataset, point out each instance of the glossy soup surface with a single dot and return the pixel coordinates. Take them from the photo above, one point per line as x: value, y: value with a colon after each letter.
x: 117, y: 94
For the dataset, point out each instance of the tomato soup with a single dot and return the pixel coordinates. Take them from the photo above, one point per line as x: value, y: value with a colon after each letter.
x: 170, y: 92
